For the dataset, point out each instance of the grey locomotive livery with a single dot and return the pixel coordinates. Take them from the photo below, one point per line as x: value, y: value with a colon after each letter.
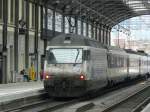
x: 76, y: 65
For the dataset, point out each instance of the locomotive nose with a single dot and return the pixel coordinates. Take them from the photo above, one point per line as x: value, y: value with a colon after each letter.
x: 66, y: 86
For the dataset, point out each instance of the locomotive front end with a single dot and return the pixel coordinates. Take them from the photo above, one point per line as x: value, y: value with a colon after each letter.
x: 64, y: 72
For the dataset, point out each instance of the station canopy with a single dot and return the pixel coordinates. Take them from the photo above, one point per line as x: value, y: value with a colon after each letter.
x: 107, y: 12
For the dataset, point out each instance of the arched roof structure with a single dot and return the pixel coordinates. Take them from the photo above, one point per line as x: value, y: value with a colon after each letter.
x: 107, y: 12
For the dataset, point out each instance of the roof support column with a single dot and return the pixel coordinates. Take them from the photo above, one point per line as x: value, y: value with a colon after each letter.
x: 76, y: 25
x: 100, y: 40
x: 109, y: 36
x: 27, y: 36
x: 104, y: 35
x: 53, y: 21
x: 70, y: 25
x: 95, y: 31
x: 81, y: 26
x: 36, y: 39
x: 87, y: 28
x: 46, y: 27
x: 98, y: 32
x: 92, y: 31
x: 16, y: 38
x: 63, y: 23
x: 3, y: 78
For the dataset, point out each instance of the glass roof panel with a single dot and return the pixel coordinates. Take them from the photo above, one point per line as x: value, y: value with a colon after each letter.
x: 136, y: 5
x: 133, y: 2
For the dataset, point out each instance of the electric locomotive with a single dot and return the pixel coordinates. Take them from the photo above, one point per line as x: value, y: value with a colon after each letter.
x: 75, y: 65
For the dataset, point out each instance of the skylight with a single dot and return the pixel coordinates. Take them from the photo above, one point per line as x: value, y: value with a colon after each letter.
x: 136, y: 5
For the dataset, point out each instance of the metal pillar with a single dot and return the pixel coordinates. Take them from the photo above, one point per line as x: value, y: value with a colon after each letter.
x: 53, y: 22
x: 27, y: 36
x: 100, y: 40
x: 92, y: 31
x: 36, y: 38
x: 70, y: 25
x: 102, y: 34
x: 41, y: 22
x: 109, y: 37
x: 46, y: 27
x: 96, y: 32
x: 63, y: 24
x: 76, y: 25
x: 105, y: 36
x: 87, y: 29
x: 4, y: 37
x: 16, y: 37
x: 82, y: 26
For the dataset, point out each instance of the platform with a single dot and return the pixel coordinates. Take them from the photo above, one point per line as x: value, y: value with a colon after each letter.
x: 147, y: 108
x: 14, y: 91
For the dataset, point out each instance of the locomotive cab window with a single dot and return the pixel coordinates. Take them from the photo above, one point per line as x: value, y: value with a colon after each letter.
x: 66, y: 55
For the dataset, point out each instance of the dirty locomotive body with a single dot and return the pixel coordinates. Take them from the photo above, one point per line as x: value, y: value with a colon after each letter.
x: 75, y: 65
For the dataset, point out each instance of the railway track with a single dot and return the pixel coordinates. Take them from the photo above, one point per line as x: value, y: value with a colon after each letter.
x: 42, y: 106
x: 132, y: 103
x: 49, y: 104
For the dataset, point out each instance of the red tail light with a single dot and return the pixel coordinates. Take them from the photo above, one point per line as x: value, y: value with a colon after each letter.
x: 47, y: 76
x: 82, y: 77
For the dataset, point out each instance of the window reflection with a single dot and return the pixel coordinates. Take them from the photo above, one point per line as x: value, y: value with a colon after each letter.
x: 64, y: 56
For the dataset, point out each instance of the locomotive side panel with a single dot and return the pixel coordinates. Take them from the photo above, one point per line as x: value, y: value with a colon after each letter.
x: 98, y: 65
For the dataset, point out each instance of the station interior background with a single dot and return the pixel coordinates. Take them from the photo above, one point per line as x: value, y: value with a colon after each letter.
x: 26, y: 28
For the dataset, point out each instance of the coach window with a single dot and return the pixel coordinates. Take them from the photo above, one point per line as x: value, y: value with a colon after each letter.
x: 113, y: 63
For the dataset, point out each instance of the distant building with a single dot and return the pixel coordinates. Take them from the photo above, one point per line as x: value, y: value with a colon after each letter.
x: 120, y: 42
x: 133, y: 44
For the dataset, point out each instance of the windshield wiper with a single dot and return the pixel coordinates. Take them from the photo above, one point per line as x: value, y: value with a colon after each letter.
x: 77, y: 56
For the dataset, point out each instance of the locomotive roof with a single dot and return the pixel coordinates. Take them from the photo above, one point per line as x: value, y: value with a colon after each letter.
x: 136, y: 52
x: 79, y: 40
x: 74, y: 40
